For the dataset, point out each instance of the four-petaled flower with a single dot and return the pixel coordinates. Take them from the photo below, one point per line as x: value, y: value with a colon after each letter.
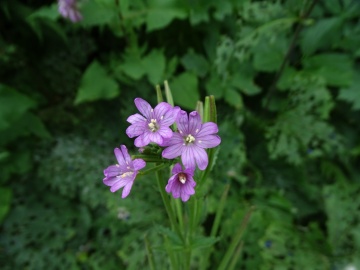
x: 181, y: 184
x: 68, y: 9
x: 122, y: 174
x: 192, y: 140
x: 153, y: 125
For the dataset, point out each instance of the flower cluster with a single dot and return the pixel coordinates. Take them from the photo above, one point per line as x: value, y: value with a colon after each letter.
x: 68, y: 9
x: 189, y: 142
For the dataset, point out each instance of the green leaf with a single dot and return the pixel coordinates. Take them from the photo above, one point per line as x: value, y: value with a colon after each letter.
x: 335, y: 68
x: 154, y: 66
x: 204, y: 242
x: 268, y: 55
x: 95, y: 13
x: 351, y: 94
x: 161, y: 13
x: 244, y: 82
x: 214, y: 86
x: 5, y: 201
x: 96, y: 84
x: 185, y: 90
x: 12, y: 105
x: 319, y: 35
x: 196, y: 63
x: 234, y: 98
x: 48, y: 12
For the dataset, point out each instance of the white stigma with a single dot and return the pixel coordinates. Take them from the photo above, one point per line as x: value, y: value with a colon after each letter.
x: 190, y: 139
x: 182, y: 178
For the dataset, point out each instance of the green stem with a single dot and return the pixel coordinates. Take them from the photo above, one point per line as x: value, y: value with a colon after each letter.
x: 149, y: 254
x: 179, y: 214
x: 172, y: 258
x: 236, y: 256
x: 297, y: 31
x: 215, y: 226
x: 154, y: 169
x: 219, y: 211
x: 235, y: 241
x: 166, y: 201
x: 149, y: 158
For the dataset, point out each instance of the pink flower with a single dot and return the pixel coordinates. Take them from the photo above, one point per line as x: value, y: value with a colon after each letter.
x: 181, y: 184
x: 122, y: 174
x: 153, y: 125
x: 68, y: 9
x: 192, y: 140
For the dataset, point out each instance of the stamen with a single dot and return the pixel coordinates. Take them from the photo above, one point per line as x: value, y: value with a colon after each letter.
x: 153, y: 125
x: 126, y: 174
x: 190, y: 139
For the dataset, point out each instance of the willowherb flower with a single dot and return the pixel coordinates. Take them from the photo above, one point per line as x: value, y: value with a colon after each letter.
x: 122, y: 174
x: 153, y: 125
x: 192, y: 140
x: 182, y: 183
x: 68, y: 9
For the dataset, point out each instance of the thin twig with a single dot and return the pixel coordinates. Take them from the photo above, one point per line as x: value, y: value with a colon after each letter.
x: 289, y: 52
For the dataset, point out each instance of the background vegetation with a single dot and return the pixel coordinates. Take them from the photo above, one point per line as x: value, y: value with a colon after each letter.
x: 286, y: 77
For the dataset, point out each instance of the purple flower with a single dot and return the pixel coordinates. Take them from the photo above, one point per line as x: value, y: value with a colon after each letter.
x: 124, y: 173
x: 181, y: 184
x: 192, y: 140
x: 68, y: 9
x: 153, y: 125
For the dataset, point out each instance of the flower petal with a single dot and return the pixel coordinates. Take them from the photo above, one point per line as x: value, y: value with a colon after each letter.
x: 194, y: 122
x: 183, y: 122
x: 127, y: 189
x: 208, y: 141
x: 189, y: 171
x: 165, y: 132
x: 208, y: 128
x: 171, y: 116
x: 121, y: 182
x: 170, y: 183
x: 173, y: 151
x: 187, y: 157
x: 119, y: 156
x: 136, y: 119
x: 126, y: 154
x: 138, y: 164
x: 161, y: 109
x: 177, y: 169
x: 135, y: 130
x: 201, y: 157
x: 176, y: 189
x: 113, y: 170
x: 143, y: 107
x: 155, y: 137
x: 188, y: 189
x: 142, y: 140
x: 185, y: 197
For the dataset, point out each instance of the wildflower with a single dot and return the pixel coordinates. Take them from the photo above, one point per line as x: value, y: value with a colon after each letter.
x: 181, y: 184
x: 122, y: 174
x: 68, y: 9
x: 153, y: 125
x: 192, y: 140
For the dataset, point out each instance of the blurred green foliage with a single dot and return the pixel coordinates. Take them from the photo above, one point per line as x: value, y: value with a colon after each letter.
x: 286, y: 78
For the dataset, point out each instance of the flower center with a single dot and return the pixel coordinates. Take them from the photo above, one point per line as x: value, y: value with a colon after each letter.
x: 153, y: 126
x: 189, y: 139
x: 126, y: 174
x: 182, y: 178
